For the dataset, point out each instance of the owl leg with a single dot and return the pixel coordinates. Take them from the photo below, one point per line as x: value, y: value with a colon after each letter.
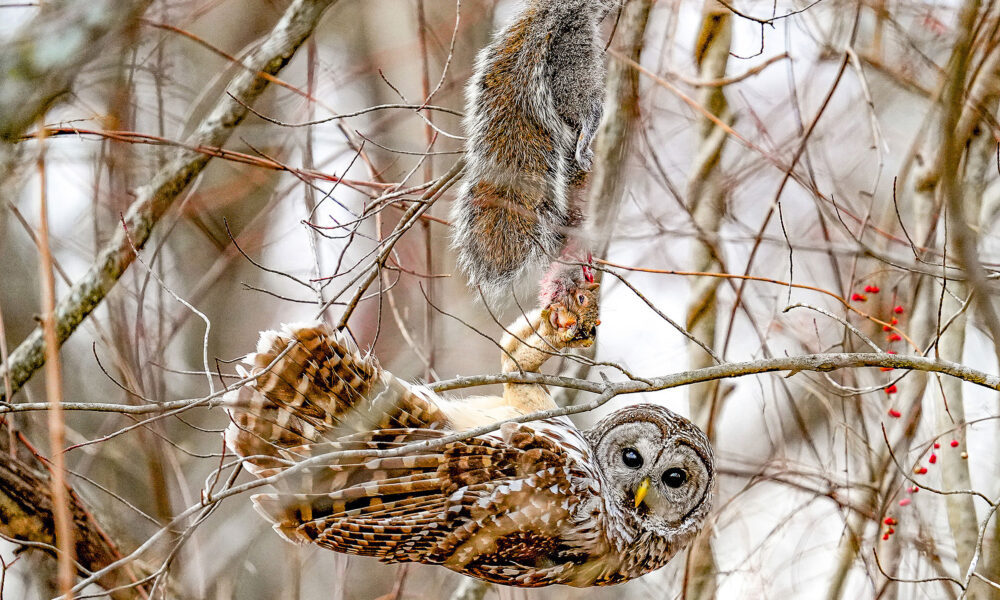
x: 567, y: 323
x: 567, y: 318
x: 528, y: 343
x: 526, y: 346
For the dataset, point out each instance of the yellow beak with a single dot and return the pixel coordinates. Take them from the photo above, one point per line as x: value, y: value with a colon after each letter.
x: 641, y: 491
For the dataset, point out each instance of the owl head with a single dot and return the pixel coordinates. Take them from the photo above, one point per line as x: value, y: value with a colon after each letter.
x: 658, y: 468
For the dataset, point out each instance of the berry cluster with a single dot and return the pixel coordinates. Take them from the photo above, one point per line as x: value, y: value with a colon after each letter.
x: 892, y: 337
x: 891, y: 522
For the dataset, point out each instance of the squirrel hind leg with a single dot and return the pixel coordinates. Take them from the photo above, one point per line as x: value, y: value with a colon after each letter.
x: 588, y: 131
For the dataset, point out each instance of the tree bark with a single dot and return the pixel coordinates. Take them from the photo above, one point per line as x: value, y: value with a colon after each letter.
x: 707, y: 203
x: 154, y: 199
x: 26, y: 514
x: 41, y: 62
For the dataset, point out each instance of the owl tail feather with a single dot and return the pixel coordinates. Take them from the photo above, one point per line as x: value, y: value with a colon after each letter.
x: 309, y: 381
x: 315, y: 392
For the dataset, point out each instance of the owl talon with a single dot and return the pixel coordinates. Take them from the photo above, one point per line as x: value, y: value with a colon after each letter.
x: 563, y: 321
x: 573, y: 321
x: 568, y: 297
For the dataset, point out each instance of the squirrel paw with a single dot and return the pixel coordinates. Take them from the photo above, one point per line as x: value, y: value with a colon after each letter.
x: 584, y: 156
x: 572, y: 317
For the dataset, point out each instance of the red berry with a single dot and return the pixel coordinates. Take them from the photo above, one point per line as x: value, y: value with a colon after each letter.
x: 886, y: 328
x: 892, y: 389
x: 894, y: 321
x: 937, y: 445
x: 890, y: 521
x: 954, y: 443
x: 932, y: 459
x: 904, y: 502
x: 898, y: 310
x: 922, y: 471
x: 858, y: 297
x: 885, y: 537
x: 891, y: 352
x: 913, y: 489
x: 895, y: 414
x: 895, y: 337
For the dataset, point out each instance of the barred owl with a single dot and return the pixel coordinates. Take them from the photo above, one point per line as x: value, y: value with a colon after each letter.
x: 530, y: 505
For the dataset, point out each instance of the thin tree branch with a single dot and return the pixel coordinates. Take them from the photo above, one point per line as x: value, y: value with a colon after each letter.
x: 155, y: 198
x: 41, y: 62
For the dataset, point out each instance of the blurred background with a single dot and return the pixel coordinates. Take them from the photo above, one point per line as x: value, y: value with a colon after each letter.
x: 802, y: 143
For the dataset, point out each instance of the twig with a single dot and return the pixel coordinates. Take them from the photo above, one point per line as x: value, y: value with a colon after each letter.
x: 53, y: 391
x: 155, y: 198
x: 38, y: 67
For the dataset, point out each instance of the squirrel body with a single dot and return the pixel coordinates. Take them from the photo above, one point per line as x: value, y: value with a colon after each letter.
x: 534, y: 105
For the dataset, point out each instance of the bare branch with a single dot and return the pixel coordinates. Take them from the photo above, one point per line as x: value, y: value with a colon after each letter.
x: 154, y: 199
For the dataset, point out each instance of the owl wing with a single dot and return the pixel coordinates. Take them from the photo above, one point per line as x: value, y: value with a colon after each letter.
x: 311, y: 384
x: 495, y: 507
x: 499, y: 507
x: 535, y: 528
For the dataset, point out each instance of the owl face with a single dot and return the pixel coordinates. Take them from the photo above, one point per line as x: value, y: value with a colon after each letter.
x: 659, y: 468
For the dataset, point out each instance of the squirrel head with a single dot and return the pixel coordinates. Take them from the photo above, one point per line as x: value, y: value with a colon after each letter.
x: 569, y: 300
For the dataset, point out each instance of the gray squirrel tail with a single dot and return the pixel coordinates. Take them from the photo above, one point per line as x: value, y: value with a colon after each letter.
x: 501, y: 233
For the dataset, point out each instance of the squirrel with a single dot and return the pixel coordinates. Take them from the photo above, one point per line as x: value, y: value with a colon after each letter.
x: 535, y: 102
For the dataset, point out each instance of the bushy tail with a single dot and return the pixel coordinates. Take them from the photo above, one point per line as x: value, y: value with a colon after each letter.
x: 502, y: 232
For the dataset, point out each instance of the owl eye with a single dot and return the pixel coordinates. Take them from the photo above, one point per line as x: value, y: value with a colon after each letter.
x: 675, y: 477
x: 631, y: 458
x: 581, y: 299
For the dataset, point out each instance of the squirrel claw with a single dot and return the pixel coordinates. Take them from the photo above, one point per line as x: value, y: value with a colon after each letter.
x: 584, y: 157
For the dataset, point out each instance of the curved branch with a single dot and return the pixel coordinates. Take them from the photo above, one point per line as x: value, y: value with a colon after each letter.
x: 40, y: 63
x: 795, y: 364
x: 155, y: 198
